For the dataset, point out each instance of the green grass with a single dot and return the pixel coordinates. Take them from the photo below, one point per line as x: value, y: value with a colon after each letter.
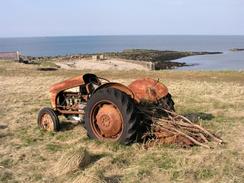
x: 7, y: 163
x: 53, y: 147
x: 7, y: 176
x: 48, y: 64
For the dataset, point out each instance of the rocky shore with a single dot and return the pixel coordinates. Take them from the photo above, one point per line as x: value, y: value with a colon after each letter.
x: 161, y: 59
x: 237, y: 49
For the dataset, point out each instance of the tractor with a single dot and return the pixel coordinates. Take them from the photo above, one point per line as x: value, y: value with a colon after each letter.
x: 108, y: 110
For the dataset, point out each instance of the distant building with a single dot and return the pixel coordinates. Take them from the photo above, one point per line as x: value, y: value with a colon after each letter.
x: 10, y: 55
x: 101, y: 57
x: 98, y: 57
x: 94, y: 57
x: 151, y: 66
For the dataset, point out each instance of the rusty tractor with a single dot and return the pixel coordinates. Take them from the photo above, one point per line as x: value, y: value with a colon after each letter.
x: 109, y: 110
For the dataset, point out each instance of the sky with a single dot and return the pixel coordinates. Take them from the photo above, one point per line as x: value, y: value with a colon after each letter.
x: 28, y: 18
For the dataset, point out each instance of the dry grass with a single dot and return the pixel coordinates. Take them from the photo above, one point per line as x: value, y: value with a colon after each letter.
x: 74, y: 160
x: 29, y: 155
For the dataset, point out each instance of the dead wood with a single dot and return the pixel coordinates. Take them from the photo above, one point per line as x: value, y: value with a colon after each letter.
x: 167, y: 127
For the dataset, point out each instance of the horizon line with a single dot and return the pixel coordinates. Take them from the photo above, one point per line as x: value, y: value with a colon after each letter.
x: 100, y: 35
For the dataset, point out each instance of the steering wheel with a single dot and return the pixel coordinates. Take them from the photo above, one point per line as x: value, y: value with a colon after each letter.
x: 95, y: 81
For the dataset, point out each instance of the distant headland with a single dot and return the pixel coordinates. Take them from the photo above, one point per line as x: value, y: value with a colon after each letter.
x: 237, y: 49
x: 160, y: 59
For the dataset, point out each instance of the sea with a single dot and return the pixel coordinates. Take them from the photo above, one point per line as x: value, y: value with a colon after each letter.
x: 68, y: 45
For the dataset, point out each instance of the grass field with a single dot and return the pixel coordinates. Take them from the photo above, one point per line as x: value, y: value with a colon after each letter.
x: 28, y: 154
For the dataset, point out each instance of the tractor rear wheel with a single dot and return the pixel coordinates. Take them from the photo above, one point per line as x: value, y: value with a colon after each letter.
x: 111, y: 115
x: 48, y: 120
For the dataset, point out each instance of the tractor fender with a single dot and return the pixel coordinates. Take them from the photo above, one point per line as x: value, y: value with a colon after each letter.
x: 120, y: 87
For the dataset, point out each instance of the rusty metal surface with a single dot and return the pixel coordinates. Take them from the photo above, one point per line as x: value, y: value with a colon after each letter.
x: 148, y: 90
x: 64, y: 85
x: 69, y: 112
x: 109, y: 120
x: 106, y: 121
x: 47, y: 122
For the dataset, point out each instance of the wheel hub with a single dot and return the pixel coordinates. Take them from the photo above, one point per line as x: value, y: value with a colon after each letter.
x: 109, y: 120
x: 47, y: 122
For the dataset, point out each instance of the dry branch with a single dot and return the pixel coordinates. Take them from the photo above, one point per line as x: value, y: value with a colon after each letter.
x: 168, y: 127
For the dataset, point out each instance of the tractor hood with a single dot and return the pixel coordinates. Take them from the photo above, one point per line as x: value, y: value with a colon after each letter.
x: 64, y: 85
x: 67, y: 84
x: 148, y: 90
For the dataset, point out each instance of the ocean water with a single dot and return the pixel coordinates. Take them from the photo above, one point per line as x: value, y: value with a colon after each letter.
x: 224, y: 62
x: 53, y: 46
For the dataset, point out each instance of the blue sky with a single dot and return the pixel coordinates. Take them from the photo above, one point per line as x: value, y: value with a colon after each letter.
x: 21, y: 18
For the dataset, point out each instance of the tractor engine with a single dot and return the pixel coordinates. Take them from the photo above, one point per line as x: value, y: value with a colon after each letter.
x: 71, y: 101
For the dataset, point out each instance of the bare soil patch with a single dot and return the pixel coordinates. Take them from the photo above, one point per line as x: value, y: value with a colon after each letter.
x: 102, y: 65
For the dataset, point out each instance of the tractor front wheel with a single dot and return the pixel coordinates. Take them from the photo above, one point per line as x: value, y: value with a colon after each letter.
x: 48, y: 120
x: 111, y: 115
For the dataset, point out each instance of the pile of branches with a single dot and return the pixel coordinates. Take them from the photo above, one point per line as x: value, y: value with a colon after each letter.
x: 168, y: 127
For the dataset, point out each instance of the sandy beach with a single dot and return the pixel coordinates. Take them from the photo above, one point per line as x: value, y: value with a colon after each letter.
x: 102, y: 65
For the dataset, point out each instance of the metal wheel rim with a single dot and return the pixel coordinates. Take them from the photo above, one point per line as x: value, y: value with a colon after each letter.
x: 47, y: 122
x: 94, y: 127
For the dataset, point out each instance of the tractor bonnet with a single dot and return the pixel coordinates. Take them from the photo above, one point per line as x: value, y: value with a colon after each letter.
x: 148, y: 90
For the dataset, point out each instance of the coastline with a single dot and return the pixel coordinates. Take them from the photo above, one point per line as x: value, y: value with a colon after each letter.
x: 159, y: 59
